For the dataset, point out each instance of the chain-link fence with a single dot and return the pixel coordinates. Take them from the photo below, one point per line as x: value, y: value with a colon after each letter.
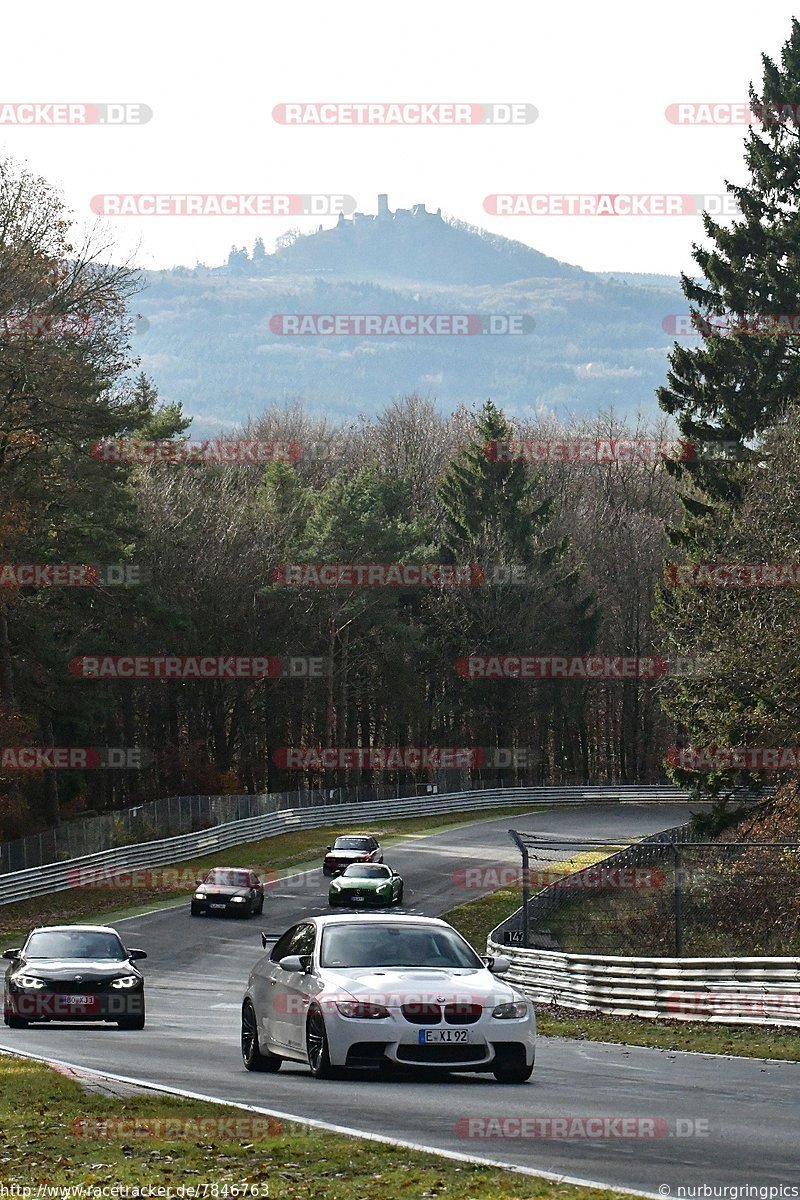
x: 675, y: 894
x: 174, y: 815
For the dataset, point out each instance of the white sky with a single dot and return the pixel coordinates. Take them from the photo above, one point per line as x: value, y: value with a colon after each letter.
x: 600, y: 75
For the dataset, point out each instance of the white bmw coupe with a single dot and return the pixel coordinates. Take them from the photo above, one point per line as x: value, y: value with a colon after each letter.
x: 363, y: 990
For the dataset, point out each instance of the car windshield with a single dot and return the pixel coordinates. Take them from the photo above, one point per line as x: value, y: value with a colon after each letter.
x: 74, y: 943
x: 228, y: 877
x: 356, y: 945
x: 351, y: 843
x: 366, y: 871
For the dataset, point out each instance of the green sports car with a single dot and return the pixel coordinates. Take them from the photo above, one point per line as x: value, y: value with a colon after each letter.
x: 367, y: 885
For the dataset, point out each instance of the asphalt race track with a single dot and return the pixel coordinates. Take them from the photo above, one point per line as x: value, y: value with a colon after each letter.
x: 748, y: 1109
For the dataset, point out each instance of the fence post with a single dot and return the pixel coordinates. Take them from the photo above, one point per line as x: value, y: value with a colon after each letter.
x: 678, y: 897
x: 526, y: 888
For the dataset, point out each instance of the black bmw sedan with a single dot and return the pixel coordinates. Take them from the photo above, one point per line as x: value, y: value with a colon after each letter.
x: 73, y: 973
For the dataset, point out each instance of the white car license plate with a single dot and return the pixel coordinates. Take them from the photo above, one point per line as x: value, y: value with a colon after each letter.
x: 80, y: 1001
x: 434, y: 1037
x: 357, y: 899
x: 216, y: 906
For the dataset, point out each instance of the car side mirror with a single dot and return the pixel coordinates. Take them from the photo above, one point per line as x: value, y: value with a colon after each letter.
x: 133, y: 955
x: 329, y: 847
x: 295, y: 962
x: 498, y: 964
x: 12, y: 953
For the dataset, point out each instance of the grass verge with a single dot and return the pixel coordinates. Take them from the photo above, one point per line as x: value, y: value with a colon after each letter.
x: 41, y: 1143
x: 300, y: 848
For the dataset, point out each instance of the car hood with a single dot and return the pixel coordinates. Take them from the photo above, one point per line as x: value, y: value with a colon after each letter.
x: 221, y: 889
x: 348, y: 882
x: 68, y: 968
x: 419, y: 985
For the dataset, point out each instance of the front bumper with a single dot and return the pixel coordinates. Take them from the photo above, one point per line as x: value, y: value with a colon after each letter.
x: 73, y: 1004
x: 364, y: 898
x: 220, y: 907
x: 355, y: 1042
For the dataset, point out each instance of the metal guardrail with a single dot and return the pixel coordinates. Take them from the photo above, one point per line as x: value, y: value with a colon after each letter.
x: 64, y: 875
x: 735, y: 991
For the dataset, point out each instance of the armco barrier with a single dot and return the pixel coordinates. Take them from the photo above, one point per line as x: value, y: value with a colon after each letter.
x: 60, y: 876
x: 737, y: 991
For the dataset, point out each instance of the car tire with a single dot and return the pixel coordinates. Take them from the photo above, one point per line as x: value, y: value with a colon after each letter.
x: 400, y: 895
x: 260, y: 908
x: 195, y: 911
x: 319, y: 1059
x: 513, y: 1074
x: 253, y: 1057
x: 15, y: 1022
x: 131, y: 1022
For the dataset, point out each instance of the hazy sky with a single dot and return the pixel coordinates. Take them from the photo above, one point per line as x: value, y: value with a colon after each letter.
x: 600, y: 76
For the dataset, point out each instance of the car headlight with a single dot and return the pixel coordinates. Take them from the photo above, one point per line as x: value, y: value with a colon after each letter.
x: 199, y: 895
x: 358, y: 1008
x: 382, y: 887
x: 125, y: 981
x: 336, y: 886
x: 515, y: 1009
x: 237, y: 899
x: 28, y: 981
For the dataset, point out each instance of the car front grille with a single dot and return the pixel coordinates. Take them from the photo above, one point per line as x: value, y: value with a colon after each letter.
x: 68, y: 987
x: 431, y: 1014
x: 441, y: 1054
x: 462, y: 1014
x: 422, y: 1014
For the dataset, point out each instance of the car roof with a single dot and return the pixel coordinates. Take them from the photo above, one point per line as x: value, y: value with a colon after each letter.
x: 360, y: 834
x: 360, y: 918
x: 83, y: 928
x: 248, y: 870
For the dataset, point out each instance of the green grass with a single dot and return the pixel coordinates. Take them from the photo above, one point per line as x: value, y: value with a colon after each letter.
x: 705, y: 1037
x: 299, y: 849
x: 39, y: 1144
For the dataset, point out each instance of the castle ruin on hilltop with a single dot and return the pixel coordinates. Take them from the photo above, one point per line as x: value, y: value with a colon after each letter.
x: 385, y: 213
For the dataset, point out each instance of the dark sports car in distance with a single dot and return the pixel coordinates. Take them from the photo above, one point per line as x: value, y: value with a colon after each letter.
x: 73, y: 973
x: 366, y: 885
x: 351, y: 848
x: 229, y: 890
